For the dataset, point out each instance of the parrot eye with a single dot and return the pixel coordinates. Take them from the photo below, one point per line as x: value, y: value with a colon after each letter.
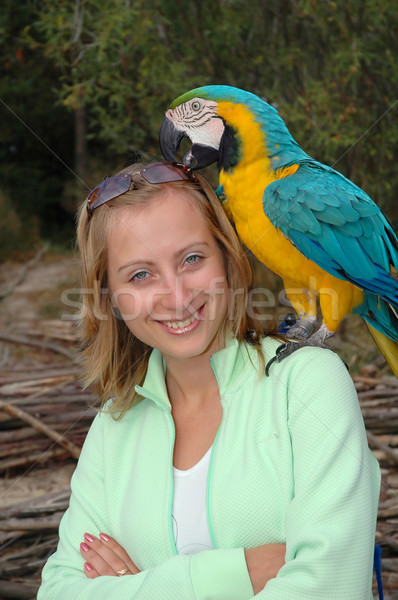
x: 195, y: 105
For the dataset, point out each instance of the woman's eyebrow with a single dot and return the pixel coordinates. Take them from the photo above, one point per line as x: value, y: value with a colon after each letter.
x: 138, y: 261
x: 151, y: 263
x: 191, y: 245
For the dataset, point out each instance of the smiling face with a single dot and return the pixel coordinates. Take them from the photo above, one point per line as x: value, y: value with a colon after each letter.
x: 166, y: 275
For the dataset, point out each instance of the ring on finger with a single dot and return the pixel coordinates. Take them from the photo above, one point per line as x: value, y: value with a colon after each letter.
x: 122, y: 572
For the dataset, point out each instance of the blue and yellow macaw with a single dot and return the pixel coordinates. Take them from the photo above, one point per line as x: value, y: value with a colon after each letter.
x: 308, y: 223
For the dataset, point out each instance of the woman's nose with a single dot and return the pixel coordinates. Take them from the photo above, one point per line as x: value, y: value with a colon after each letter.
x: 176, y: 297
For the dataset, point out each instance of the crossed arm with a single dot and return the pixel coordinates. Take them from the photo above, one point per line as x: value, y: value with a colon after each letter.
x: 106, y: 557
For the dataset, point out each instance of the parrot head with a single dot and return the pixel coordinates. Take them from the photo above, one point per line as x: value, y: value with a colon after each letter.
x: 226, y: 125
x: 196, y: 115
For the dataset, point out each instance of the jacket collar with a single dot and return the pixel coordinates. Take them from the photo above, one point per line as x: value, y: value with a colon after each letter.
x: 229, y: 366
x: 154, y: 386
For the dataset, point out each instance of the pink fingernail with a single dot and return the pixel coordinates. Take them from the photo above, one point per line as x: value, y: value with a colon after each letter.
x: 88, y: 567
x: 104, y: 537
x: 89, y: 538
x: 84, y: 547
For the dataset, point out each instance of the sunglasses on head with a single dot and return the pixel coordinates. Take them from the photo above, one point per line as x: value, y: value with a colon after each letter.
x: 112, y: 187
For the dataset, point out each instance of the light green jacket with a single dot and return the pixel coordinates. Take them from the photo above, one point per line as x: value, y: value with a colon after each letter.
x: 290, y: 464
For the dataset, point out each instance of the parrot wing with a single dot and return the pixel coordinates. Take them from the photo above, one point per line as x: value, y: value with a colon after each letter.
x: 336, y: 225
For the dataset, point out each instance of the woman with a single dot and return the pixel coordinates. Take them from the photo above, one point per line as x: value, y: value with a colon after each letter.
x: 203, y: 478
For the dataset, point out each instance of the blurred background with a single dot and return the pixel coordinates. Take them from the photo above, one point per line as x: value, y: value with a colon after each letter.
x: 83, y: 89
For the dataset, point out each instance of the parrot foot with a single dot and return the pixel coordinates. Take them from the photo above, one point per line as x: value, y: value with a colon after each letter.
x: 286, y: 349
x: 320, y: 336
x: 302, y: 329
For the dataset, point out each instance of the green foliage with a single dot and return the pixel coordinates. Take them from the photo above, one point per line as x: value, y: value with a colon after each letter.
x: 329, y: 68
x: 31, y: 121
x: 344, y: 109
x: 17, y: 234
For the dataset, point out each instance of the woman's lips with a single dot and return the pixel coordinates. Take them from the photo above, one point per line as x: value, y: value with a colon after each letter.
x: 186, y: 326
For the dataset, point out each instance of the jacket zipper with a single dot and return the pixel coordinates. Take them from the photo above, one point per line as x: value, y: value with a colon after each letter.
x: 209, y: 478
x: 211, y: 465
x: 171, y: 492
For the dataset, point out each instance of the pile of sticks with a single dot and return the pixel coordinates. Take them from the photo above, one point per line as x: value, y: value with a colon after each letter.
x: 28, y: 536
x: 45, y: 415
x: 44, y: 418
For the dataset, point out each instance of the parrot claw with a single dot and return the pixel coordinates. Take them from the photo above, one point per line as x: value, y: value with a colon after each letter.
x: 282, y: 352
x: 302, y: 329
x: 286, y: 349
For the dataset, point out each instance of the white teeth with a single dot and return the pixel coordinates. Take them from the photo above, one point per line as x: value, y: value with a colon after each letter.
x: 181, y: 324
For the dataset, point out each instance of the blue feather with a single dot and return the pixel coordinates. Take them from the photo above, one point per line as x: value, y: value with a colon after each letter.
x: 379, y: 314
x: 220, y: 193
x: 330, y: 215
x: 353, y: 229
x: 336, y: 225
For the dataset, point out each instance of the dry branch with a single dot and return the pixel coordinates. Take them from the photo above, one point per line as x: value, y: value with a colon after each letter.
x: 50, y: 371
x: 32, y: 459
x: 45, y: 346
x: 14, y: 411
x: 33, y: 524
x: 53, y: 502
x: 375, y: 441
x: 22, y: 591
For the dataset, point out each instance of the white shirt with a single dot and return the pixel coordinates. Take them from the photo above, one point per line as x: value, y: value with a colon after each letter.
x: 190, y: 527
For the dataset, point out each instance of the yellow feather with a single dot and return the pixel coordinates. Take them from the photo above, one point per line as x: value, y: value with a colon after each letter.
x: 387, y: 347
x: 267, y: 243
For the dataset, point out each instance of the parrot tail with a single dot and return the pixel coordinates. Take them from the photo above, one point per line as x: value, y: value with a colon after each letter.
x: 381, y: 317
x: 387, y: 347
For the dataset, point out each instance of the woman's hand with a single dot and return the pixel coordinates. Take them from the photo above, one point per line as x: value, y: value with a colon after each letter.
x: 263, y: 563
x: 104, y: 556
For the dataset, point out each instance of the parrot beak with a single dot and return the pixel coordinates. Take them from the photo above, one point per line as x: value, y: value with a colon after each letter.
x: 169, y: 140
x: 198, y: 157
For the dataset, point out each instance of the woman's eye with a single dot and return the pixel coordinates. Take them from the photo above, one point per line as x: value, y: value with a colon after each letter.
x: 192, y: 259
x: 140, y: 276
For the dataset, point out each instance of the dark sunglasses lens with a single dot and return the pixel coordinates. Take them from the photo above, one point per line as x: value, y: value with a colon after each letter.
x: 165, y: 172
x: 108, y: 189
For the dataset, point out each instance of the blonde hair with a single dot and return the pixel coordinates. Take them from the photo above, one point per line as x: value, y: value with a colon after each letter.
x: 114, y: 359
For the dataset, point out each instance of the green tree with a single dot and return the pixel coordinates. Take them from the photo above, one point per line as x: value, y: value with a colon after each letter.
x: 97, y: 76
x: 32, y: 120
